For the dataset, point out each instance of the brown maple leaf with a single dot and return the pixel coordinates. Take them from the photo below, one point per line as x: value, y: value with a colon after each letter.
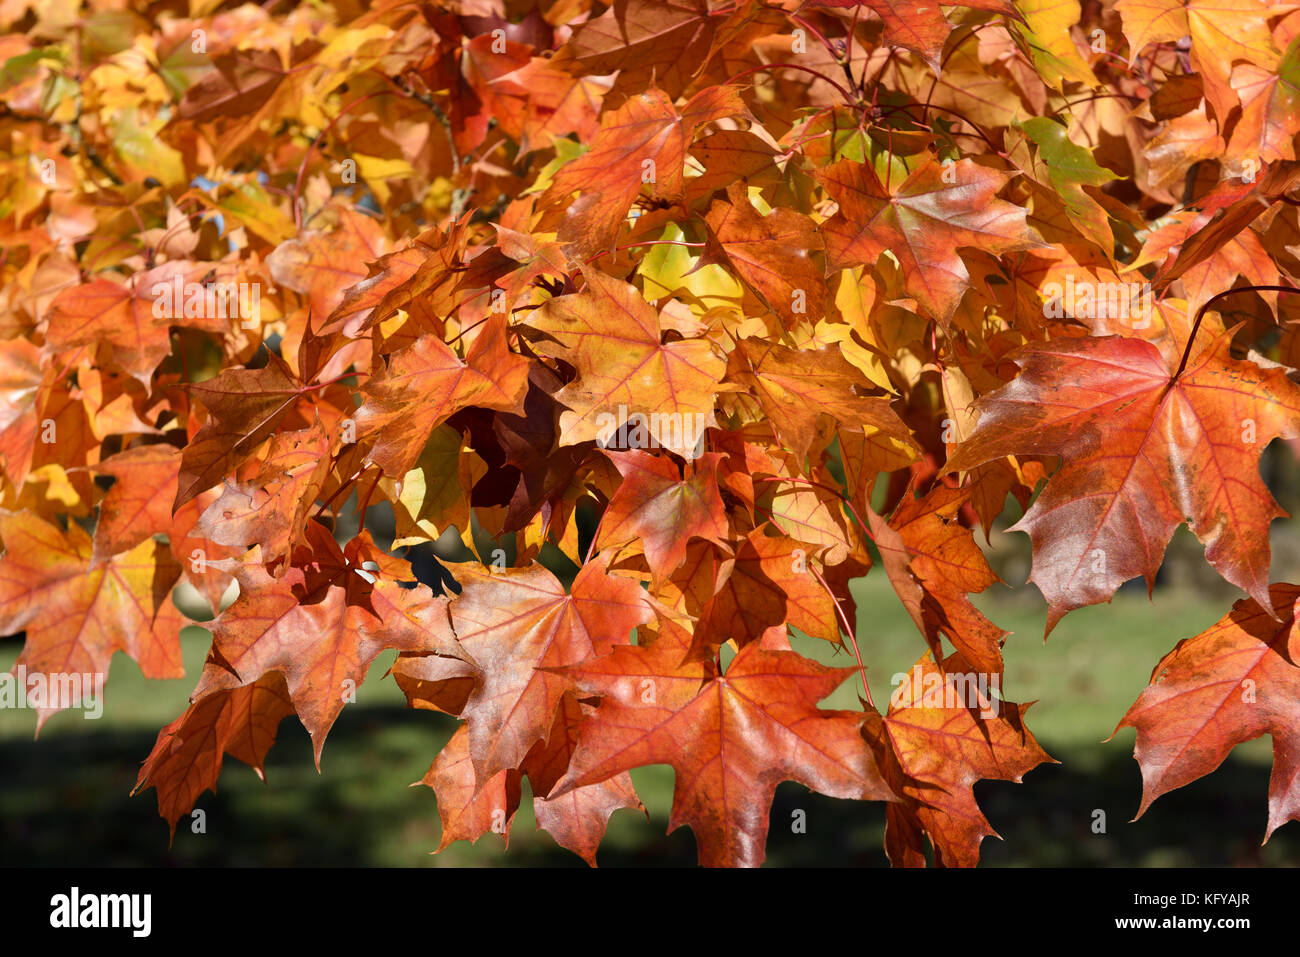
x: 77, y: 613
x: 770, y: 253
x: 923, y: 222
x: 731, y: 738
x: 468, y: 807
x: 1234, y: 206
x: 513, y: 622
x: 187, y: 757
x: 240, y: 82
x: 933, y: 563
x: 612, y: 337
x: 945, y: 730
x: 324, y: 264
x: 131, y: 321
x: 245, y: 407
x: 767, y: 583
x: 1142, y: 451
x: 642, y: 143
x: 576, y: 819
x: 1233, y: 682
x: 271, y: 509
x: 795, y: 387
x: 918, y: 25
x: 426, y: 384
x: 662, y: 510
x: 139, y: 505
x: 644, y: 41
x: 321, y: 624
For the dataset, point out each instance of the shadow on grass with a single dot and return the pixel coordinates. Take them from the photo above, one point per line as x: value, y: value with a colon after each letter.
x: 66, y: 803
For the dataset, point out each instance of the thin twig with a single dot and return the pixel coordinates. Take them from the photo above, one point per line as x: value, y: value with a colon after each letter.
x: 1200, y: 314
x: 848, y: 628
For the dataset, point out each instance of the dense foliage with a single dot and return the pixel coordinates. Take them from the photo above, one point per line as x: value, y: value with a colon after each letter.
x: 674, y: 317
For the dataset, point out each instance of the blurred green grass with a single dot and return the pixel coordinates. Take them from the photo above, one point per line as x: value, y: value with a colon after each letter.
x: 65, y: 797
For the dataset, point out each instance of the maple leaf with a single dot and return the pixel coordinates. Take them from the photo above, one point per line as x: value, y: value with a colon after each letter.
x: 537, y: 258
x: 1070, y: 168
x: 514, y: 622
x: 187, y: 757
x: 1221, y: 32
x: 761, y: 587
x: 1050, y: 44
x: 643, y: 142
x: 576, y: 819
x: 933, y: 563
x: 644, y: 40
x: 1142, y: 451
x: 943, y: 732
x: 426, y: 384
x: 468, y: 809
x: 1182, y: 142
x: 245, y: 407
x: 532, y: 98
x: 1234, y: 209
x: 271, y: 511
x: 139, y: 505
x: 727, y: 155
x: 20, y: 384
x: 612, y: 337
x: 126, y: 318
x: 933, y: 213
x: 920, y: 27
x: 770, y: 253
x: 324, y: 263
x: 238, y: 84
x: 1270, y: 109
x: 813, y: 514
x: 1241, y: 255
x: 1233, y: 682
x: 378, y: 294
x: 731, y: 738
x: 796, y: 386
x: 321, y: 624
x: 661, y: 510
x: 77, y: 613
